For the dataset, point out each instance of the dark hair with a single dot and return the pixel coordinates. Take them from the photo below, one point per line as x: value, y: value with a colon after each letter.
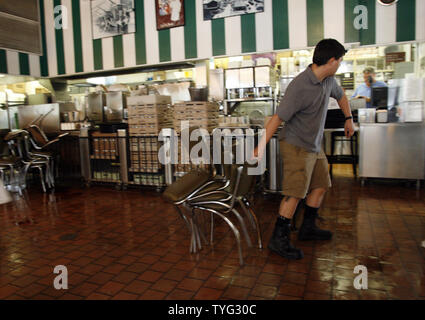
x: 327, y: 49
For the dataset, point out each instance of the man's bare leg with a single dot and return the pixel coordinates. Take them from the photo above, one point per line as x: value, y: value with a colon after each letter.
x: 315, y: 197
x: 288, y: 206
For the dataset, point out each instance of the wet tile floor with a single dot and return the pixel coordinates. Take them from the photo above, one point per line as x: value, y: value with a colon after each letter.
x: 132, y: 245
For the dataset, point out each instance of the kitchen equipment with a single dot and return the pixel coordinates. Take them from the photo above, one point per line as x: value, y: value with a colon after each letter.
x: 46, y: 116
x: 357, y: 104
x: 95, y: 103
x: 39, y: 98
x: 115, y: 104
x: 198, y: 94
x: 70, y: 116
x: 379, y: 97
x: 367, y: 115
x: 284, y: 83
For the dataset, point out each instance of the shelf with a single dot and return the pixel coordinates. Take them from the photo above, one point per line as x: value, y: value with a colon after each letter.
x: 105, y: 180
x: 249, y: 99
x: 104, y: 158
x: 141, y: 171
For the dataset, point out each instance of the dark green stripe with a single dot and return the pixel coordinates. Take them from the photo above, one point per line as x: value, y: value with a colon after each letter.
x: 218, y: 37
x: 97, y: 54
x: 60, y: 52
x: 249, y: 43
x: 406, y: 20
x: 190, y: 44
x: 118, y: 52
x: 368, y: 36
x: 140, y: 36
x: 44, y: 67
x: 164, y: 45
x: 351, y: 34
x: 315, y: 24
x: 24, y: 64
x: 280, y: 25
x: 3, y: 61
x: 76, y: 26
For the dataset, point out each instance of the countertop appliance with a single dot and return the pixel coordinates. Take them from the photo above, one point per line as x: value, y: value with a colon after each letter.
x: 95, y: 104
x: 381, y: 116
x: 116, y: 102
x: 379, y: 98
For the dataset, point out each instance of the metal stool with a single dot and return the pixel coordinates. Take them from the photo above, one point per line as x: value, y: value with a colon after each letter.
x: 353, y: 158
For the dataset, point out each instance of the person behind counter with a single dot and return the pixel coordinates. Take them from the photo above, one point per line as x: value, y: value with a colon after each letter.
x: 363, y: 91
x: 303, y: 108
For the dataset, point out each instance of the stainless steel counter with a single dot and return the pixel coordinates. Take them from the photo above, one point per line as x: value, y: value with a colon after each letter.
x: 392, y: 150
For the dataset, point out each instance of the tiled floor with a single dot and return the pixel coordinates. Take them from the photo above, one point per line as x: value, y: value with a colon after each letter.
x: 131, y: 245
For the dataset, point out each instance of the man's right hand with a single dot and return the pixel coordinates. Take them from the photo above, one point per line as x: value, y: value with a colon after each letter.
x: 257, y: 154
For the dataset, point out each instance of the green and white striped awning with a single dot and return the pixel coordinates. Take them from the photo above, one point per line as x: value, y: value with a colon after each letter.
x: 284, y: 24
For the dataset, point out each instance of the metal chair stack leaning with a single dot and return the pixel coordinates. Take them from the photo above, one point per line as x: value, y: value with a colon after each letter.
x: 200, y: 192
x: 18, y: 142
x: 42, y: 146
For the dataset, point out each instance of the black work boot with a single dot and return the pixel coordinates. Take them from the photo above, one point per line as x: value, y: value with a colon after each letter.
x: 280, y: 241
x: 309, y: 230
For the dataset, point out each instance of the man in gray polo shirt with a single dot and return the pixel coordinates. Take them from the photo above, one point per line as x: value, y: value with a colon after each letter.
x: 303, y: 108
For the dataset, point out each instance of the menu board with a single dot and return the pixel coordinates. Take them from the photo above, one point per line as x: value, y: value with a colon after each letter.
x: 395, y: 57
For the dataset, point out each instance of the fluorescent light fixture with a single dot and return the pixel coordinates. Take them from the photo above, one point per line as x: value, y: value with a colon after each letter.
x: 98, y: 80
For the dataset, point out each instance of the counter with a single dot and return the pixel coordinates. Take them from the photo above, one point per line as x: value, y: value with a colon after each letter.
x: 392, y: 150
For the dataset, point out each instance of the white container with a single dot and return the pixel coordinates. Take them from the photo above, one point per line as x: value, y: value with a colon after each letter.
x: 411, y: 112
x: 382, y: 116
x: 412, y: 89
x: 264, y: 62
x: 247, y: 63
x: 234, y: 64
x: 367, y: 115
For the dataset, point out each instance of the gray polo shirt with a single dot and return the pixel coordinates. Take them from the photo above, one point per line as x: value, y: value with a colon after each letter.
x: 304, y: 107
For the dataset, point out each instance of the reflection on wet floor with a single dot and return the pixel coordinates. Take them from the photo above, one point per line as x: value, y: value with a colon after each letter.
x: 130, y: 244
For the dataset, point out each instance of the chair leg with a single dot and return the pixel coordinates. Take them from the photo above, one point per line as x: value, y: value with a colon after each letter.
x: 183, y: 217
x: 247, y: 208
x: 241, y: 221
x: 353, y: 157
x: 200, y: 230
x: 243, y: 226
x: 235, y: 232
x: 196, y: 232
x: 190, y: 225
x: 212, y: 228
x: 42, y: 178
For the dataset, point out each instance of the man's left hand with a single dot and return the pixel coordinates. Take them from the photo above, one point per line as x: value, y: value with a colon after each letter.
x: 349, y: 128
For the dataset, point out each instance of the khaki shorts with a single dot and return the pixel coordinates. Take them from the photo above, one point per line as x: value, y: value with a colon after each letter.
x: 303, y: 171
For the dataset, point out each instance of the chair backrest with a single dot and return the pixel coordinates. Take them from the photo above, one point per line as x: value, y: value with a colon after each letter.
x: 37, y: 135
x: 18, y: 143
x: 246, y: 183
x: 184, y: 186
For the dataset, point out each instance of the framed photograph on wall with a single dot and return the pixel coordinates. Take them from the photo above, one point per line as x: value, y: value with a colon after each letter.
x: 215, y: 9
x: 169, y: 14
x: 112, y: 18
